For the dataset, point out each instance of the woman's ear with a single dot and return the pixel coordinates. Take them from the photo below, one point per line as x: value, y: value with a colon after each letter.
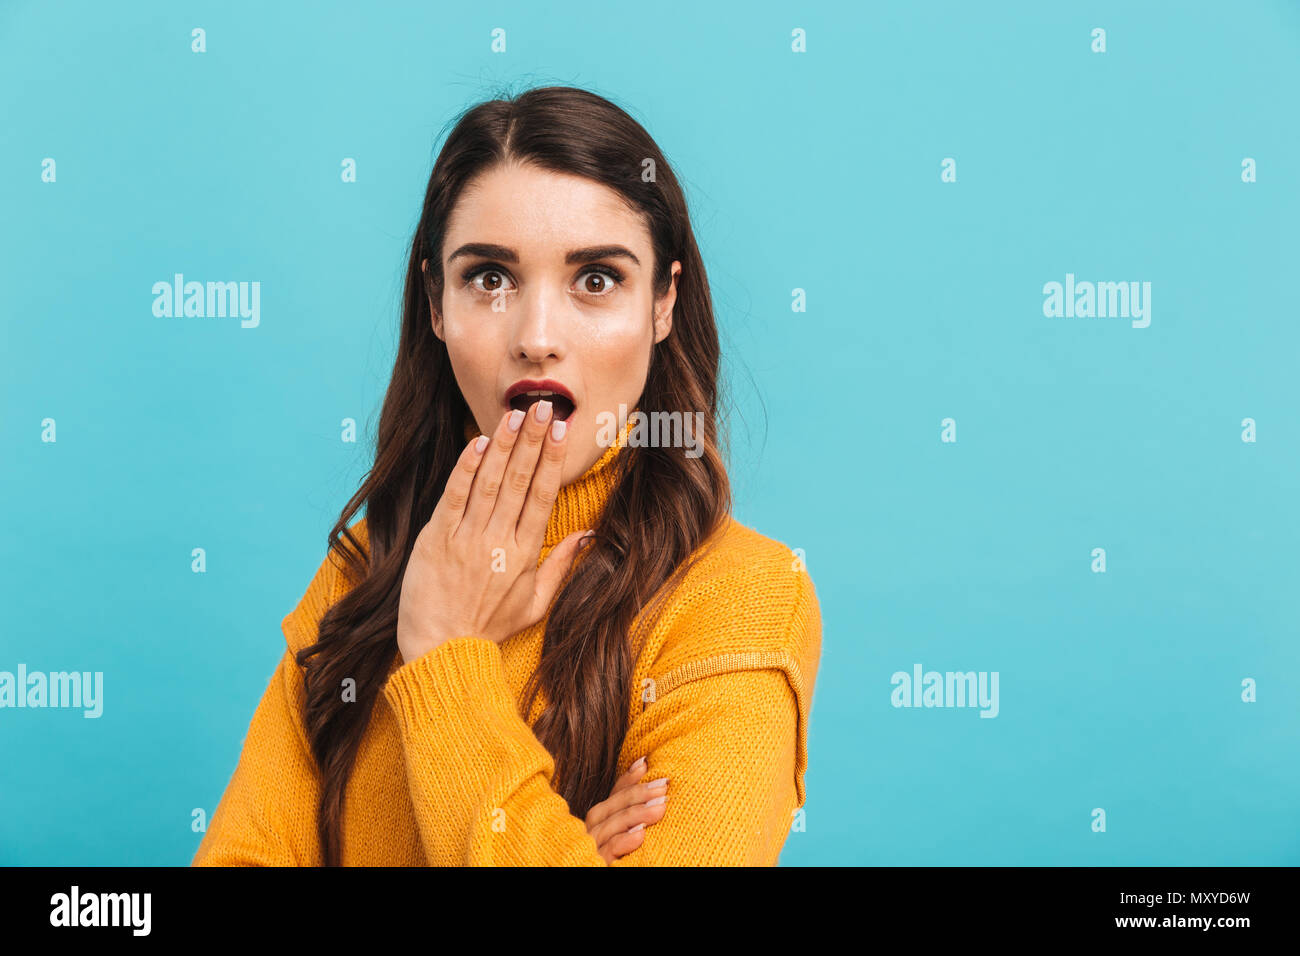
x: 663, y: 318
x: 435, y: 316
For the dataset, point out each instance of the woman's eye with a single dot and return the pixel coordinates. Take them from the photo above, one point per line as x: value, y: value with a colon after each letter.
x: 595, y: 282
x: 598, y: 282
x: 488, y: 280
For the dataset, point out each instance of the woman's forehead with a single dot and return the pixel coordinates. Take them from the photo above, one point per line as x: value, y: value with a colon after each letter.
x: 543, y: 213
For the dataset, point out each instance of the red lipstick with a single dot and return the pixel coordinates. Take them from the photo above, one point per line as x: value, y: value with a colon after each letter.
x: 526, y: 391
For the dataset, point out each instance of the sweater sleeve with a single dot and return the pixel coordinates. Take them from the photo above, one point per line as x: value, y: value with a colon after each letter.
x: 729, y: 736
x: 267, y: 815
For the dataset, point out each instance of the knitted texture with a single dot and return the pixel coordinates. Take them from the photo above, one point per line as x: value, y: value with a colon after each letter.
x: 450, y: 773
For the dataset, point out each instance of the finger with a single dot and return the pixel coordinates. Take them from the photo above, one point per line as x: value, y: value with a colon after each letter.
x: 487, y: 483
x: 625, y: 819
x: 631, y: 777
x: 450, y: 510
x: 622, y: 844
x: 622, y: 800
x: 519, y: 470
x: 553, y: 570
x: 607, y: 806
x: 545, y: 488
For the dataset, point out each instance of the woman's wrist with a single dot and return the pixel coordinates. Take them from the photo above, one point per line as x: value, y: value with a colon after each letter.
x: 415, y: 650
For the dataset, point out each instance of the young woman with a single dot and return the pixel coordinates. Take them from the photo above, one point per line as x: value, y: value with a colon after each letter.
x: 547, y: 642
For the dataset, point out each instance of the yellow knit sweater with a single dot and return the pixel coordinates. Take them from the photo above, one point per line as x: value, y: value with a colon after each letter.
x: 450, y: 773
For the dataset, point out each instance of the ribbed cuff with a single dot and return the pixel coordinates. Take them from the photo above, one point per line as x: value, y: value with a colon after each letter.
x: 455, y: 679
x: 461, y: 730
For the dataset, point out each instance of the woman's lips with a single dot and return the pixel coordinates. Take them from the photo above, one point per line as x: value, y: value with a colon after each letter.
x: 524, y: 393
x: 562, y: 408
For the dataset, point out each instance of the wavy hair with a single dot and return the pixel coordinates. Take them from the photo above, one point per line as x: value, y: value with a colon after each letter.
x: 663, y: 507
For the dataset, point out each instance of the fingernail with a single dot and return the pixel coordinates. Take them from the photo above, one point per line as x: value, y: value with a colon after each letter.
x: 640, y: 762
x: 543, y: 411
x: 639, y: 826
x: 656, y: 801
x: 559, y: 428
x: 480, y: 443
x: 661, y: 782
x: 583, y: 543
x: 516, y: 419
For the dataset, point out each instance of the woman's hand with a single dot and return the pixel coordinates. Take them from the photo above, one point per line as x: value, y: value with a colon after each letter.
x: 618, y: 824
x: 473, y: 568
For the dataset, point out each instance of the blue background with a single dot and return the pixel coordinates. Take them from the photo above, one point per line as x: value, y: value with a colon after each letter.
x: 818, y: 171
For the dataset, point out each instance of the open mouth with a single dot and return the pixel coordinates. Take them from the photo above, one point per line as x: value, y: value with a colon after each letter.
x: 562, y: 405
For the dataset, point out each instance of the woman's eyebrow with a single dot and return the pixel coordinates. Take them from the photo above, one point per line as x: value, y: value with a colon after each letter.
x: 490, y: 250
x: 592, y: 253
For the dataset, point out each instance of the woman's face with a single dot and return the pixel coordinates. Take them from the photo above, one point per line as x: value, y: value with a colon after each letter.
x: 547, y: 276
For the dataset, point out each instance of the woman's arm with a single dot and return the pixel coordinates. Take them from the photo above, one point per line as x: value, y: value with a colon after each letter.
x: 728, y: 729
x: 267, y: 816
x: 480, y: 781
x: 726, y: 742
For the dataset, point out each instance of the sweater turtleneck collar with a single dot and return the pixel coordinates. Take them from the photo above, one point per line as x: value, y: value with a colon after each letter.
x: 579, y: 504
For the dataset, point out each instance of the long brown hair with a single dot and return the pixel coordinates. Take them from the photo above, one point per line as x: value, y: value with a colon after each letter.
x: 663, y: 507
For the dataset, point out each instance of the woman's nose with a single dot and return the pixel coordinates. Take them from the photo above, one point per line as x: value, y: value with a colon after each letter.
x: 538, y: 321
